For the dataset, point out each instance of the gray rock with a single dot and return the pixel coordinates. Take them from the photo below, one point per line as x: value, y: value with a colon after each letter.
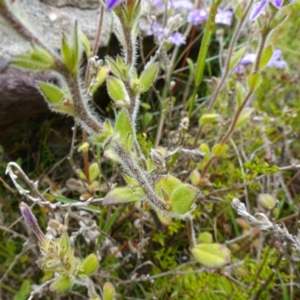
x: 49, y: 22
x: 84, y: 4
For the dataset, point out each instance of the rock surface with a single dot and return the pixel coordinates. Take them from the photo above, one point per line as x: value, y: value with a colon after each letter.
x: 19, y: 97
x: 76, y: 3
x: 49, y: 22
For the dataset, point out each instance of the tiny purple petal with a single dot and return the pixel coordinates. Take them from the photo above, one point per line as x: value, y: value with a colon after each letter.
x: 156, y: 30
x: 32, y: 222
x: 177, y: 39
x: 110, y: 4
x: 197, y: 16
x: 277, y: 3
x: 279, y: 64
x: 185, y: 4
x: 257, y: 10
x: 248, y: 59
x: 275, y: 60
x: 158, y: 3
x: 29, y: 217
x: 224, y: 17
x: 276, y: 54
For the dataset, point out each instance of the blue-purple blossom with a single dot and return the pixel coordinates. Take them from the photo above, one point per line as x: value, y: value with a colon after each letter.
x: 32, y: 223
x: 259, y: 7
x: 199, y: 16
x: 174, y: 38
x: 158, y: 3
x: 110, y: 4
x: 224, y: 17
x: 156, y: 30
x: 182, y: 4
x: 176, y: 4
x: 177, y: 39
x: 275, y: 60
x: 249, y: 58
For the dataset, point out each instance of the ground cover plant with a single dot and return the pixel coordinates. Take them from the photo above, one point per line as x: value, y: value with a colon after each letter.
x: 186, y: 187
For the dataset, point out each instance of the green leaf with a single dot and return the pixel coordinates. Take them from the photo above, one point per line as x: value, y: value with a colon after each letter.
x: 191, y: 66
x: 236, y: 57
x: 116, y: 90
x: 36, y: 59
x: 183, y: 198
x: 94, y: 171
x: 124, y: 128
x: 89, y: 266
x: 86, y: 44
x: 24, y: 291
x: 147, y: 77
x: 64, y: 244
x: 266, y: 201
x: 61, y: 284
x: 166, y: 184
x: 211, y: 255
x: 66, y: 53
x: 123, y: 195
x: 279, y: 19
x: 148, y: 117
x: 244, y: 116
x: 64, y: 108
x: 100, y: 78
x: 108, y: 291
x: 204, y: 148
x: 240, y: 94
x: 113, y: 66
x: 208, y: 118
x: 40, y: 54
x: 265, y: 57
x: 105, y: 134
x: 219, y: 149
x: 75, y: 48
x: 51, y: 93
x: 205, y: 237
x: 254, y: 81
x: 195, y: 177
x: 134, y: 16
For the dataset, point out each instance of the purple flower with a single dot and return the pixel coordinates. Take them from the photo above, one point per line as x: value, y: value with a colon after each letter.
x: 110, y: 4
x: 259, y: 7
x: 275, y: 60
x: 185, y: 4
x: 177, y: 39
x: 224, y: 17
x: 176, y: 4
x: 156, y: 30
x: 32, y: 222
x: 197, y: 16
x: 158, y: 3
x: 250, y: 58
x: 201, y: 15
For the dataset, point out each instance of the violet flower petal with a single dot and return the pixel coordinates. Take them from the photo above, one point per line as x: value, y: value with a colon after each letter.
x: 32, y: 223
x: 197, y: 16
x: 177, y: 38
x: 224, y: 17
x: 277, y: 3
x: 257, y: 10
x: 248, y: 59
x: 110, y: 4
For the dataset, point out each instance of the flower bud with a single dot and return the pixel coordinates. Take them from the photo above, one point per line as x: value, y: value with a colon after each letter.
x: 157, y: 158
x: 32, y: 223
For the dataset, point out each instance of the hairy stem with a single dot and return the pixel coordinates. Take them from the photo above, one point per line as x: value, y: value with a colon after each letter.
x: 131, y: 166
